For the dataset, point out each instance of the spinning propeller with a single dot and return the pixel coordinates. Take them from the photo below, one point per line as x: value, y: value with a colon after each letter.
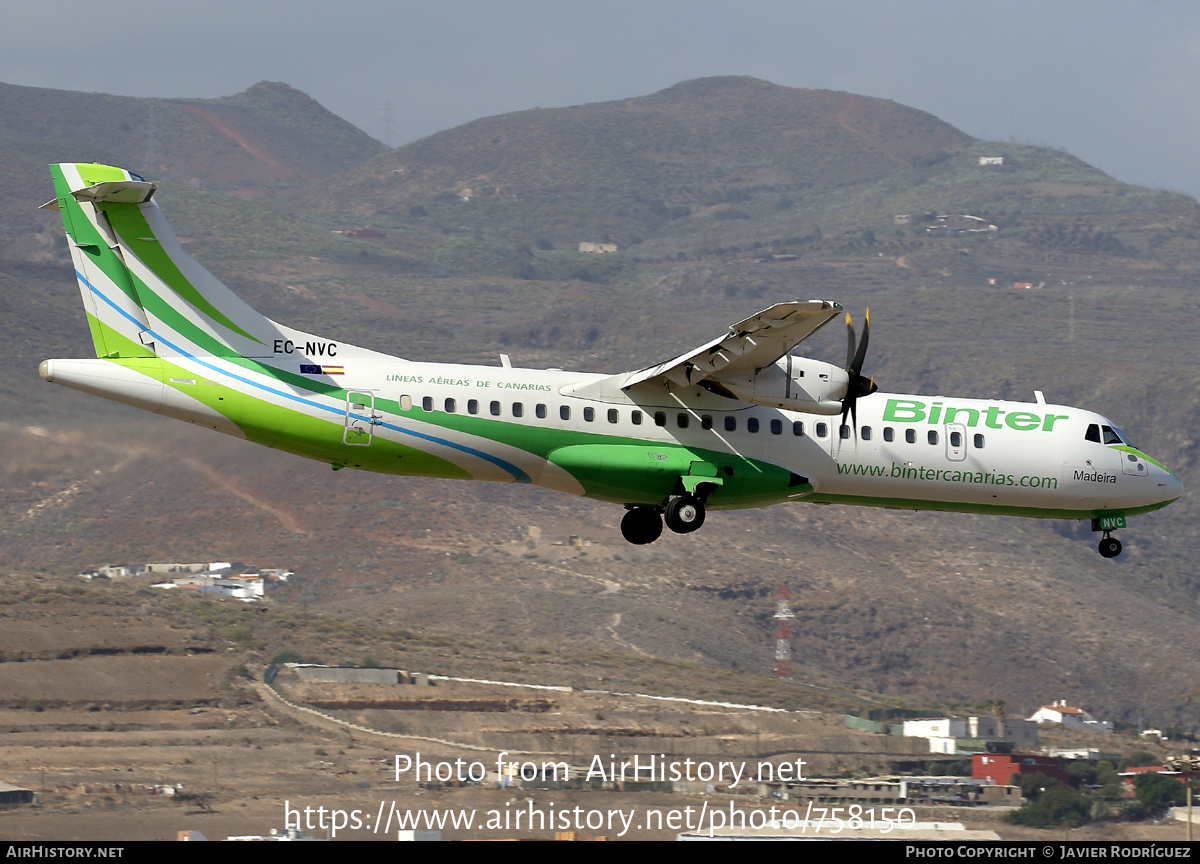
x: 857, y: 385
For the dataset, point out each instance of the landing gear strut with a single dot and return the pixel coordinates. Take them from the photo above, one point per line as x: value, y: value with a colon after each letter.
x: 1110, y: 547
x: 641, y: 525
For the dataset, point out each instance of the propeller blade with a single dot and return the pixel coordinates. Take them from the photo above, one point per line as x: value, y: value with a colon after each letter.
x: 849, y: 340
x: 856, y: 384
x: 856, y: 364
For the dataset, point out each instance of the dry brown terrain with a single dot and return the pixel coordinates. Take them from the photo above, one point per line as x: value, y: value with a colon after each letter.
x: 97, y: 732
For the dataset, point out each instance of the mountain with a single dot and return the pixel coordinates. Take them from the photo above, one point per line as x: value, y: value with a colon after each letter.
x: 771, y: 162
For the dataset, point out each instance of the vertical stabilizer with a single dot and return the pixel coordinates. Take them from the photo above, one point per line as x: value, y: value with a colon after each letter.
x: 114, y: 310
x: 144, y: 295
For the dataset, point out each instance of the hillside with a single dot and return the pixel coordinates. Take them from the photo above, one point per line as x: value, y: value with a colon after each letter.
x: 917, y: 606
x: 269, y: 134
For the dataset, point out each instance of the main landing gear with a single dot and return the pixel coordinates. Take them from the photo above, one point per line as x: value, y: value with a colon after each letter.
x: 1110, y: 547
x: 683, y: 514
x: 641, y: 525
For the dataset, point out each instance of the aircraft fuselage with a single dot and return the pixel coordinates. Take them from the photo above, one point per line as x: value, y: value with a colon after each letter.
x: 528, y: 426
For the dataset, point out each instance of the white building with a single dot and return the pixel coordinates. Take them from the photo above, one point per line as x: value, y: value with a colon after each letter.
x: 941, y: 727
x: 1069, y: 717
x: 944, y: 732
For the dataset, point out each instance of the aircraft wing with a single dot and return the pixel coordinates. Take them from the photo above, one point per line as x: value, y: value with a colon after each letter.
x: 750, y: 345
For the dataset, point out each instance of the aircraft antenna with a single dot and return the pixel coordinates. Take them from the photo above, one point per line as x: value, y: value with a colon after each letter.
x: 783, y: 633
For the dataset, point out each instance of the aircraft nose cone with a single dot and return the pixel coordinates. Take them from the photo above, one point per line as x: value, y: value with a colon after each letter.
x: 1172, y: 487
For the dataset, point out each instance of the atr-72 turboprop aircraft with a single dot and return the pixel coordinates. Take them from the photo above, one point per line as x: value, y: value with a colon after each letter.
x: 739, y: 422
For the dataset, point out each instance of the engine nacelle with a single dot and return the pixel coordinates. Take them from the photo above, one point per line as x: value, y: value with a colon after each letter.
x: 792, y: 383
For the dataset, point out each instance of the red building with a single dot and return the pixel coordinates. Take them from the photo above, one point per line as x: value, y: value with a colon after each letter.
x: 1000, y: 767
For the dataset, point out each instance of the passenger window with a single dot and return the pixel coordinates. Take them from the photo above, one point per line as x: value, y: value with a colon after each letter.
x: 494, y: 408
x: 405, y: 403
x: 660, y: 418
x: 865, y: 433
x: 776, y: 427
x: 932, y: 436
x: 797, y: 428
x: 1093, y: 433
x: 613, y: 415
x: 564, y: 412
x: 978, y: 441
x: 682, y: 420
x: 427, y: 403
x: 589, y: 414
x: 822, y: 430
x: 518, y: 409
x: 636, y: 418
x: 910, y: 435
x: 730, y: 423
x: 472, y: 406
x: 451, y: 406
x: 751, y: 424
x: 889, y: 434
x: 844, y: 431
x: 540, y: 411
x: 955, y: 439
x: 706, y: 421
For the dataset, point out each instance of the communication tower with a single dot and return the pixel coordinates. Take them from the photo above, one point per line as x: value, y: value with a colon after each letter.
x: 783, y: 633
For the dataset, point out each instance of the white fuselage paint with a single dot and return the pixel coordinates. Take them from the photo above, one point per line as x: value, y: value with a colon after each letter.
x: 1034, y: 456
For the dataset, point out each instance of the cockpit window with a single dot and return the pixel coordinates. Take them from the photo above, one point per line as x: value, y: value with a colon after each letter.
x: 1105, y: 434
x: 1124, y: 438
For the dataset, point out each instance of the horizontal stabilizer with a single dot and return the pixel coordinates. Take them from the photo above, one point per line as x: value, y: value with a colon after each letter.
x: 117, y: 192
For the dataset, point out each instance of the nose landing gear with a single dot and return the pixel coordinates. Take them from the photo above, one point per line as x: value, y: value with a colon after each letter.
x: 1110, y: 547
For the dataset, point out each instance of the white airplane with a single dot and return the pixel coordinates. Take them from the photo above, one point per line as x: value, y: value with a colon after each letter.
x: 738, y: 422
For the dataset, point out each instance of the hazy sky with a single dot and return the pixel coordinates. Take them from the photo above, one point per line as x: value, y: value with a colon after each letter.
x: 1115, y: 83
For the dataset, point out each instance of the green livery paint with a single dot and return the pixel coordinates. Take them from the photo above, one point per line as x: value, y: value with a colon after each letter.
x: 738, y: 422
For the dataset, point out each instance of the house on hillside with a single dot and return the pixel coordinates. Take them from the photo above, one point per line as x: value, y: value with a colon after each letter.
x: 960, y: 224
x: 1070, y: 717
x: 598, y: 247
x: 1132, y: 773
x: 226, y: 580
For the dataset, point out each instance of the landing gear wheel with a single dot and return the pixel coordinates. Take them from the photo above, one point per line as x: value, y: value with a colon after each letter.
x: 684, y: 514
x: 641, y: 525
x: 1110, y: 547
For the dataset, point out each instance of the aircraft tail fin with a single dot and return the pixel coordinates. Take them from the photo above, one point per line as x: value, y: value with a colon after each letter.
x: 144, y: 295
